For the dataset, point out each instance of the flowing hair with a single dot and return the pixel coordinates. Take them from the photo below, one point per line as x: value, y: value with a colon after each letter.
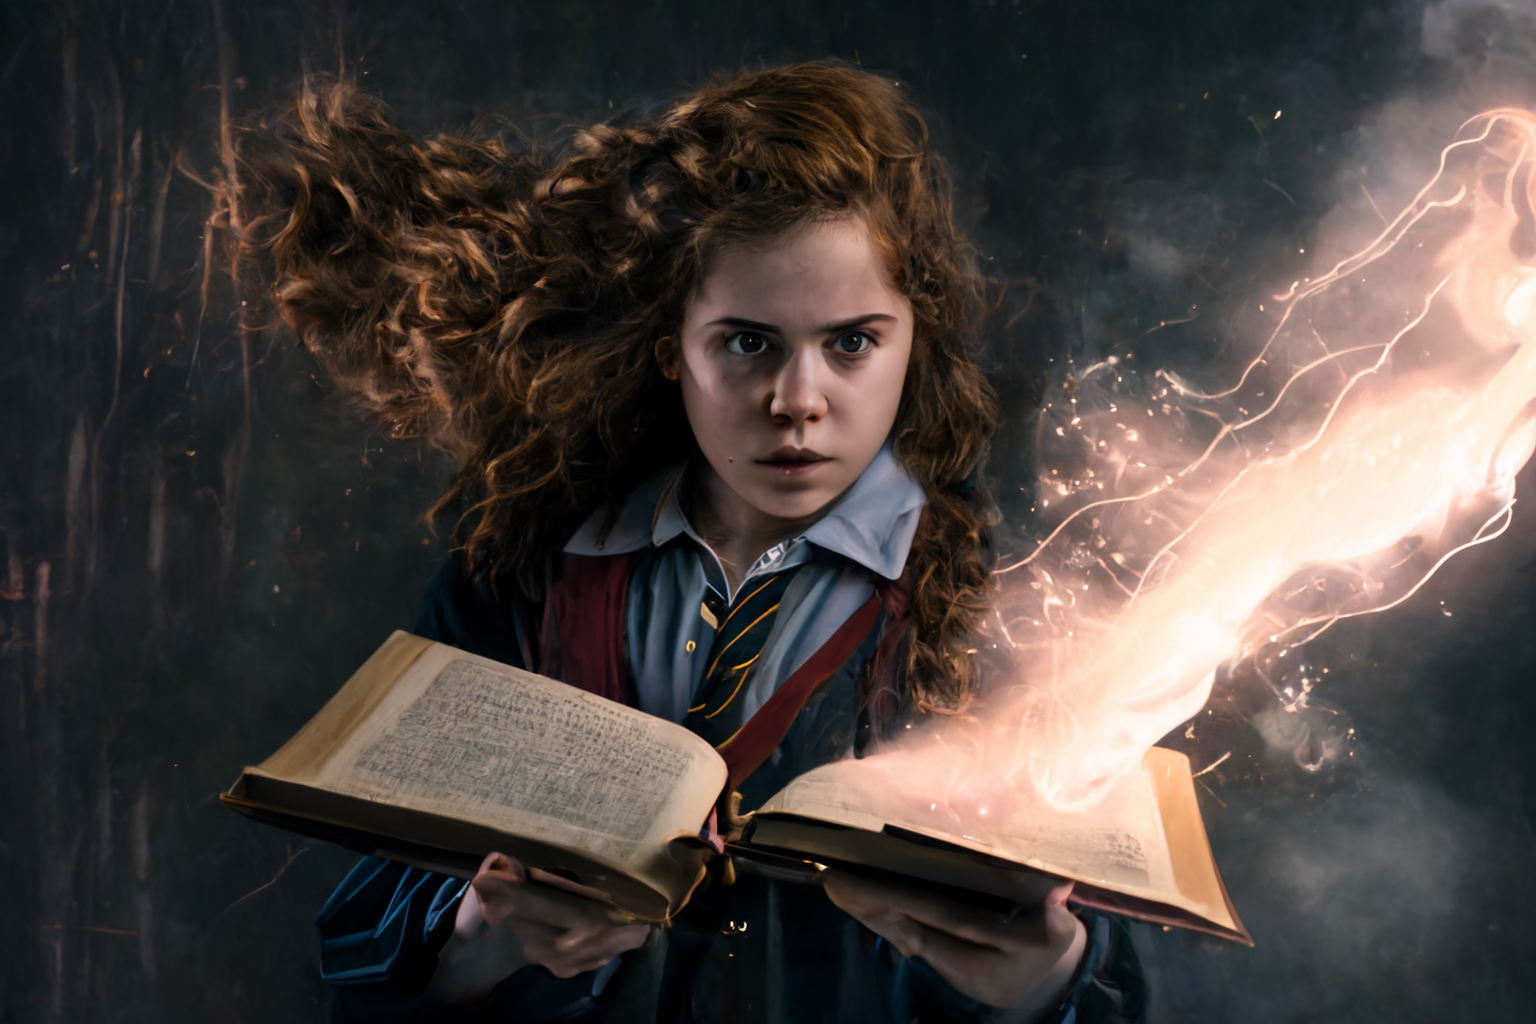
x: 506, y: 303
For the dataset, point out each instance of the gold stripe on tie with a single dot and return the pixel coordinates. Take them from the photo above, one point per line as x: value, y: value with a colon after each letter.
x: 741, y: 602
x: 732, y: 697
x: 738, y: 636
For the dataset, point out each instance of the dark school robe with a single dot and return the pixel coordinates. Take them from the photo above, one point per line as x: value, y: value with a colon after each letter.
x: 757, y: 950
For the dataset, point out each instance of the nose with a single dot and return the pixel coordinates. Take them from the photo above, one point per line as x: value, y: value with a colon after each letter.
x: 798, y: 396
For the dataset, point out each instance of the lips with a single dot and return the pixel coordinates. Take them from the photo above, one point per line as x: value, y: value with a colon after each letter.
x: 788, y: 456
x: 793, y: 462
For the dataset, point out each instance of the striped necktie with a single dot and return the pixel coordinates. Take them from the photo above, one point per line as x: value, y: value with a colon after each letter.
x: 738, y: 643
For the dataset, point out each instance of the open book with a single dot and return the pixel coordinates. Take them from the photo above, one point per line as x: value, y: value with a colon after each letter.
x: 436, y: 757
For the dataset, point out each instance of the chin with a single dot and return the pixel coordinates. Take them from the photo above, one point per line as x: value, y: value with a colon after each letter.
x: 794, y: 505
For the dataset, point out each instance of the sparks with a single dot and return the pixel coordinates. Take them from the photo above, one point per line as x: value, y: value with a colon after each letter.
x: 1309, y: 504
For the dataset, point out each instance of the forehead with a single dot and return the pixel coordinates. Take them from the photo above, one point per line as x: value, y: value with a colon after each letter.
x: 821, y: 272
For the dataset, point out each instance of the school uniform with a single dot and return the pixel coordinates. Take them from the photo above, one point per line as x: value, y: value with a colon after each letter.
x: 773, y: 673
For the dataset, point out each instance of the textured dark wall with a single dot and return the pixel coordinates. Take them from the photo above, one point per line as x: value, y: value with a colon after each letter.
x: 197, y: 542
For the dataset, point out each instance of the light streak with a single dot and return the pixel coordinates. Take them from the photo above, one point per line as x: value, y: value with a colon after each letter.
x: 1213, y: 765
x: 1326, y: 502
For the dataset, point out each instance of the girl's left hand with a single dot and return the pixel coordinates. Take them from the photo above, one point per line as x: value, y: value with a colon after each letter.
x: 1024, y: 960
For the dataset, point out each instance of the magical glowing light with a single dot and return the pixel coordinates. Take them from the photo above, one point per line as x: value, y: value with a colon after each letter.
x: 1376, y: 432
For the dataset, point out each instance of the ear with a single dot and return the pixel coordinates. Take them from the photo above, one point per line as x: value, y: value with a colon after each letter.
x: 669, y: 357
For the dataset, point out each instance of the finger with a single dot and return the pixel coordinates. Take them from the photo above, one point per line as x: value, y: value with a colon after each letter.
x: 500, y: 863
x: 1046, y: 929
x: 850, y: 895
x: 615, y: 913
x: 950, y: 955
x: 504, y: 899
x: 538, y: 939
x: 563, y: 969
x: 469, y: 919
x: 566, y: 955
x: 1057, y: 897
x: 545, y: 945
x: 496, y: 890
x: 554, y: 948
x: 603, y: 945
x: 908, y: 936
x: 986, y: 974
x: 993, y: 976
x: 861, y: 896
x: 1062, y: 926
x: 497, y: 872
x: 600, y: 942
x: 558, y: 882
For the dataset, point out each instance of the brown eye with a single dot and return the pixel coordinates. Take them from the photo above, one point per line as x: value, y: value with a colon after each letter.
x: 853, y: 344
x: 745, y: 344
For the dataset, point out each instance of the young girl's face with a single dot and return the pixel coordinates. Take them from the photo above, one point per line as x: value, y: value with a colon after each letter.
x: 791, y: 362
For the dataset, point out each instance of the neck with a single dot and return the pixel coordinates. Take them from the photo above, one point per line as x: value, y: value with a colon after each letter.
x: 736, y: 530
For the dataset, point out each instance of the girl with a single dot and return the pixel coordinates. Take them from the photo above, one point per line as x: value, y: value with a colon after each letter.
x: 706, y: 381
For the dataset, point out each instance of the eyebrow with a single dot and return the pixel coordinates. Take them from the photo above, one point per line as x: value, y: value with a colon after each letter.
x: 841, y: 325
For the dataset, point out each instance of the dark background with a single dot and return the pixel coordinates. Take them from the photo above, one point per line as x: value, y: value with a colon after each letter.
x: 198, y: 542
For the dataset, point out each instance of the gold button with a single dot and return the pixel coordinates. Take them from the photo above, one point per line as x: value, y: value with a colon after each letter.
x: 690, y: 646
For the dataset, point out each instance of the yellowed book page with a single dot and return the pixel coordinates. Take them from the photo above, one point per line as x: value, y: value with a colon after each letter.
x: 1194, y: 867
x: 465, y: 737
x: 1120, y: 844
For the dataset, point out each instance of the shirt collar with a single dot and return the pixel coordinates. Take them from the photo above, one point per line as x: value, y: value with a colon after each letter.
x: 873, y: 524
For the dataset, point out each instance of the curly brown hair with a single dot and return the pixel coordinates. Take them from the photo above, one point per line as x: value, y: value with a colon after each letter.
x: 506, y: 303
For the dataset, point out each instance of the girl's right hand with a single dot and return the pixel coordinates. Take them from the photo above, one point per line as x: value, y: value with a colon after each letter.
x: 507, y: 919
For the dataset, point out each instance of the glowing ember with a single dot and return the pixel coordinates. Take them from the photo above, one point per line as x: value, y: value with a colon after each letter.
x: 1378, y: 431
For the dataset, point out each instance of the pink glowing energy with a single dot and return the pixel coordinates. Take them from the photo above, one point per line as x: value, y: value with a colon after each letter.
x: 1412, y: 448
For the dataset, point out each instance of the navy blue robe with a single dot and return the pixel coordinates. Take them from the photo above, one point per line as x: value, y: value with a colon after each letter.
x: 758, y: 950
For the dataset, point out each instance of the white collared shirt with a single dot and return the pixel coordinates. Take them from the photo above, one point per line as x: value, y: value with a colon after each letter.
x: 867, y: 533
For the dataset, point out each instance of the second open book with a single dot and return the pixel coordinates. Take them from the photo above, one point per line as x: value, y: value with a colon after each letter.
x: 437, y: 757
